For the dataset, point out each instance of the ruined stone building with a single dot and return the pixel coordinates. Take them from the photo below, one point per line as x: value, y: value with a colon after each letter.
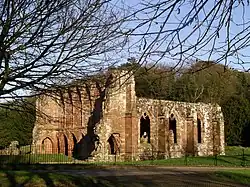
x: 106, y: 120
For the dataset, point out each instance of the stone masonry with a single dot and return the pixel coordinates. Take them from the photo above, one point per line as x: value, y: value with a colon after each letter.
x: 104, y: 120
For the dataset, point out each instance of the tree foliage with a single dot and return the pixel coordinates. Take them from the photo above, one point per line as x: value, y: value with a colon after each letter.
x: 203, y: 81
x: 236, y: 111
x: 17, y: 120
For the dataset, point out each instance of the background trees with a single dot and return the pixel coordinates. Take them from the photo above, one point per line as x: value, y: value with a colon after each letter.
x: 45, y: 44
x: 17, y: 121
x: 203, y: 81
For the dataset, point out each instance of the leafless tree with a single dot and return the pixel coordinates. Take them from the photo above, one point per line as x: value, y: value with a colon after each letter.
x: 51, y: 42
x: 177, y: 31
x: 48, y: 43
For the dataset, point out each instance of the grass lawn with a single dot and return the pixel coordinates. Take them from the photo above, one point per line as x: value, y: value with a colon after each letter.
x: 31, y: 179
x: 28, y: 179
x: 35, y: 158
x: 234, y: 158
x: 241, y: 176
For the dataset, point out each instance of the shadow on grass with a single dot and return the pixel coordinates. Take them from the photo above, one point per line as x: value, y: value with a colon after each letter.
x: 221, y: 160
x: 181, y: 179
x: 132, y: 176
x: 24, y: 178
x: 239, y: 176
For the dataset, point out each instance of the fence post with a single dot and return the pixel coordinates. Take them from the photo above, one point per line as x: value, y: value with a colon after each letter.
x: 29, y: 155
x: 185, y: 159
x: 216, y: 159
x: 243, y: 158
x: 115, y: 158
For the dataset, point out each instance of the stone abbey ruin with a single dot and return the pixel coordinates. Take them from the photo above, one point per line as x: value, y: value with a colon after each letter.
x: 105, y: 120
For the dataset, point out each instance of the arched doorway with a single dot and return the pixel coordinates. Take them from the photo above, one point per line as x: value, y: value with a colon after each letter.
x: 199, y: 130
x: 145, y: 127
x: 172, y: 126
x: 66, y: 145
x: 47, y: 146
x: 114, y: 143
x: 74, y: 150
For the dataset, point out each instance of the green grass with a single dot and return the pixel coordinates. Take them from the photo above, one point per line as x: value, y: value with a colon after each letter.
x: 24, y: 178
x: 234, y: 158
x: 34, y: 158
x: 33, y: 179
x: 241, y: 176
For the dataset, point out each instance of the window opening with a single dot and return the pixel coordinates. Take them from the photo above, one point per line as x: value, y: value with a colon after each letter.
x: 145, y: 127
x: 172, y: 126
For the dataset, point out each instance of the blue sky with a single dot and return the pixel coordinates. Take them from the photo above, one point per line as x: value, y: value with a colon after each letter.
x: 239, y: 15
x: 165, y: 49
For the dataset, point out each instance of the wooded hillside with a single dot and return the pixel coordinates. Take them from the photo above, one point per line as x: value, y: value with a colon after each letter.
x: 202, y: 82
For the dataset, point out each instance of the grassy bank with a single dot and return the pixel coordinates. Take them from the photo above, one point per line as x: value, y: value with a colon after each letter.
x: 31, y: 179
x: 34, y: 159
x: 241, y: 176
x: 235, y: 157
x: 24, y: 178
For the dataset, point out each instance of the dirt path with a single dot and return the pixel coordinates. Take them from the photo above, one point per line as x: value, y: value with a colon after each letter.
x: 157, y: 176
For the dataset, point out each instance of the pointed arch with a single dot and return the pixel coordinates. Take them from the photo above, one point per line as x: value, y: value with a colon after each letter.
x: 58, y: 145
x: 63, y: 144
x: 198, y: 130
x: 74, y: 145
x: 145, y: 127
x: 74, y: 139
x: 200, y: 127
x: 173, y: 126
x: 47, y: 146
x: 114, y: 143
x: 66, y: 145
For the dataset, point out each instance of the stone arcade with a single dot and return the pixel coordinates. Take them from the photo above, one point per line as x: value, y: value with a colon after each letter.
x: 107, y: 121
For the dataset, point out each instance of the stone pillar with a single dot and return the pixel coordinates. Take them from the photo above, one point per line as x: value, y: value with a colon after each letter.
x: 77, y: 108
x: 131, y: 136
x: 169, y: 139
x: 190, y: 136
x: 195, y: 125
x: 131, y: 123
x: 221, y: 133
x: 222, y: 137
x: 161, y: 136
x: 69, y: 110
x: 216, y: 136
x: 128, y: 135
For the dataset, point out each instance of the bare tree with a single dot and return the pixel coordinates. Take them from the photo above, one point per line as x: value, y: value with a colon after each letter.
x: 175, y: 31
x: 47, y: 43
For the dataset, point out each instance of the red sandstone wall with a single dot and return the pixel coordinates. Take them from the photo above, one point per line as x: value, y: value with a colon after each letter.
x: 67, y: 118
x: 63, y: 123
x: 186, y: 115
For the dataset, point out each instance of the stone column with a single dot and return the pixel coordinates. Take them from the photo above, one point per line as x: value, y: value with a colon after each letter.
x: 190, y: 136
x: 216, y: 136
x: 128, y: 135
x: 161, y: 136
x: 131, y: 123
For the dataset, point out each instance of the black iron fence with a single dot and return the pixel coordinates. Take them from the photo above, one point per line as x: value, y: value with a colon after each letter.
x: 234, y: 157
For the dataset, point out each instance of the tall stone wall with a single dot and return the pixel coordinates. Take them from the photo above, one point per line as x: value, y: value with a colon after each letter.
x: 103, y: 120
x: 187, y: 116
x: 86, y: 117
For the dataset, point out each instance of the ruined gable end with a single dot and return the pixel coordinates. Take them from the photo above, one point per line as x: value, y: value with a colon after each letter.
x: 105, y: 121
